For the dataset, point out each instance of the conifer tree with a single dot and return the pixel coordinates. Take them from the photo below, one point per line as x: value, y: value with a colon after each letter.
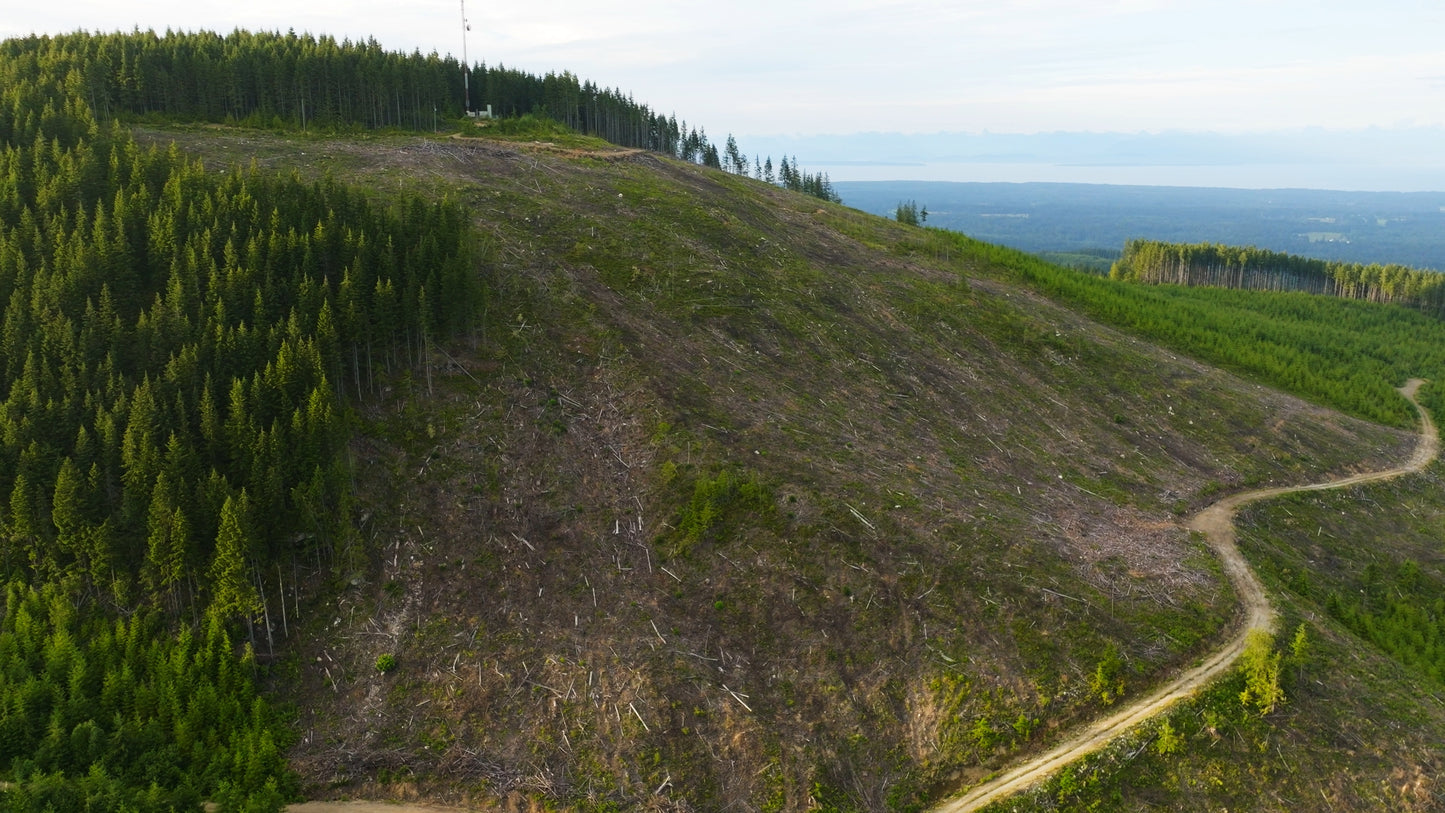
x: 168, y: 538
x: 1261, y: 667
x: 234, y: 595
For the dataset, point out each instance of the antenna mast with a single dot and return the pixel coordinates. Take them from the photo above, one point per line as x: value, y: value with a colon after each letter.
x: 466, y: 66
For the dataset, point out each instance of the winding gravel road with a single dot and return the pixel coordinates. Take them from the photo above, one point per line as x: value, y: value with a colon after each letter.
x: 1217, y: 524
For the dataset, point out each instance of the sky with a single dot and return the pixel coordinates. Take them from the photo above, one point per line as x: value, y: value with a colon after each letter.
x: 806, y: 68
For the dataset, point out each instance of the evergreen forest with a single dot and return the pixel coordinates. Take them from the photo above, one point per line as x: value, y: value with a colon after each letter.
x: 1255, y: 269
x: 274, y: 80
x: 177, y: 349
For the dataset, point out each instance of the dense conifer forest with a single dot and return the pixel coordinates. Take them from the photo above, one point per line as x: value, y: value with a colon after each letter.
x: 175, y: 351
x: 1257, y: 269
x: 269, y: 79
x: 277, y: 80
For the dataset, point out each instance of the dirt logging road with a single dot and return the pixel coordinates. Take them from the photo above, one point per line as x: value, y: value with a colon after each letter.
x: 1217, y: 524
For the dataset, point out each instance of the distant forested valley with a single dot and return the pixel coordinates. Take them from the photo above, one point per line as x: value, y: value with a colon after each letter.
x: 1086, y: 225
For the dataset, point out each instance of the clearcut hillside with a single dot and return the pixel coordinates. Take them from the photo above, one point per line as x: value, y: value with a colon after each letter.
x: 739, y: 499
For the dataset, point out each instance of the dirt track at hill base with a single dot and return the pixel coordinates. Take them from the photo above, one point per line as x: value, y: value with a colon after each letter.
x: 1217, y: 524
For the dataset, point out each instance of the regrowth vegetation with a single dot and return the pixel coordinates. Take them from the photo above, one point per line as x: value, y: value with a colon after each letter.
x: 1345, y: 353
x: 1354, y: 674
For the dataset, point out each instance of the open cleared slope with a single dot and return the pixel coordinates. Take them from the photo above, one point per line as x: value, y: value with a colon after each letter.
x: 1217, y: 524
x: 740, y: 498
x: 1359, y: 729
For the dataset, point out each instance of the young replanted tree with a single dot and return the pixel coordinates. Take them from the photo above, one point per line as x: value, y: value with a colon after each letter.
x: 1260, y: 664
x: 1169, y: 741
x: 1300, y: 651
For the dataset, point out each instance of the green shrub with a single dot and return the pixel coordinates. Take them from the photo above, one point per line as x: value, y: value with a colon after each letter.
x: 718, y: 504
x: 532, y: 126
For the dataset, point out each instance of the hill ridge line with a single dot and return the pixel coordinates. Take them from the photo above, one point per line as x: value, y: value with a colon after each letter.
x: 1216, y: 522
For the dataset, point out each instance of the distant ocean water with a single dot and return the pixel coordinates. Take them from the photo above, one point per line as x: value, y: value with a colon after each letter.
x: 1357, y: 177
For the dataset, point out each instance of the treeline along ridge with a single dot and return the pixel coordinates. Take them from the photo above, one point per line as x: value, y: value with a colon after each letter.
x: 1256, y: 269
x: 266, y: 79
